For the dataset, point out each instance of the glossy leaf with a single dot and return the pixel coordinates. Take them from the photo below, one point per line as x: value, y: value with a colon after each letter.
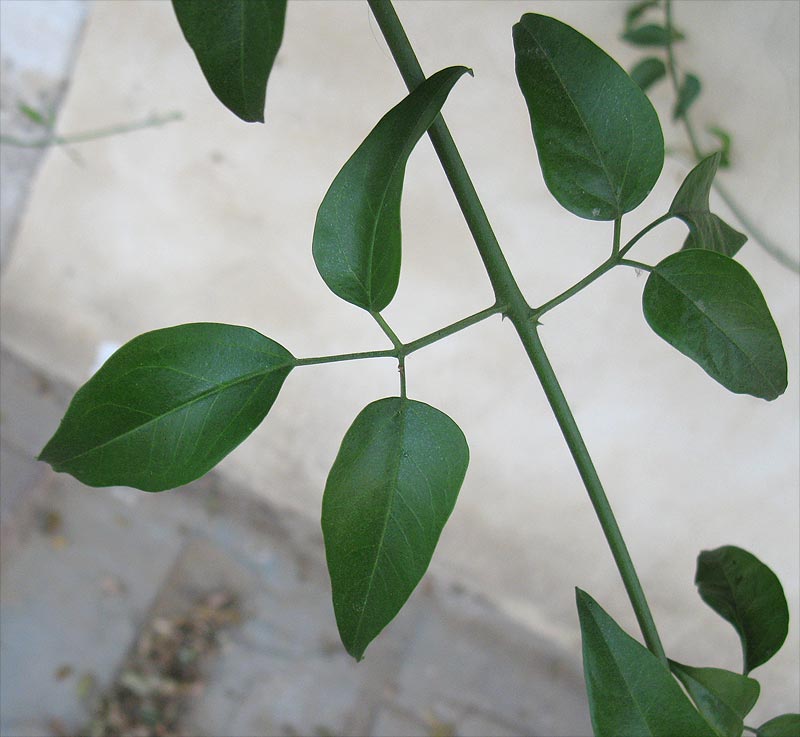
x: 235, y: 42
x: 647, y: 72
x: 630, y: 691
x: 389, y: 493
x: 723, y: 698
x: 786, y: 725
x: 709, y: 307
x: 689, y: 91
x: 741, y: 589
x: 651, y: 34
x: 168, y: 406
x: 357, y: 234
x: 598, y: 137
x: 706, y: 230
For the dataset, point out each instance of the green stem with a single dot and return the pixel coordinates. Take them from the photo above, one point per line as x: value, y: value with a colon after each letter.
x: 772, y: 248
x: 617, y: 236
x: 407, y: 348
x: 345, y: 357
x: 114, y: 130
x: 396, y: 342
x: 517, y: 309
x: 399, y: 348
x: 594, y: 487
x: 466, y: 322
x: 635, y: 264
x: 615, y: 259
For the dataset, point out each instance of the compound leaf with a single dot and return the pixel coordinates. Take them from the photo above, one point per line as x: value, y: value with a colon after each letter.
x: 387, y: 498
x: 723, y: 698
x: 709, y: 307
x: 168, y: 406
x: 647, y: 72
x: 597, y: 135
x: 741, y: 589
x: 235, y: 42
x: 786, y: 725
x: 357, y: 244
x: 630, y: 691
x: 706, y: 230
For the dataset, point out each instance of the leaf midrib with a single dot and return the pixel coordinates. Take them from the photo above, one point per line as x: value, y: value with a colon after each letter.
x: 399, y: 164
x: 403, y: 411
x: 217, y: 389
x: 617, y: 199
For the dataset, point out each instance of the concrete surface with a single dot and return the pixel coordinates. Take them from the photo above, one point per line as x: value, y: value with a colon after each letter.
x: 211, y: 219
x: 91, y: 568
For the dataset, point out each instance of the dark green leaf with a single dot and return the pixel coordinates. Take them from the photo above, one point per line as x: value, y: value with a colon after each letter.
x: 630, y: 691
x: 709, y: 307
x: 168, y: 406
x: 724, y: 137
x: 712, y: 233
x: 357, y: 243
x: 637, y: 10
x: 741, y: 589
x: 235, y: 42
x: 786, y: 725
x: 723, y: 698
x: 687, y: 94
x: 651, y: 35
x: 598, y: 137
x: 647, y: 72
x: 706, y: 230
x: 389, y: 493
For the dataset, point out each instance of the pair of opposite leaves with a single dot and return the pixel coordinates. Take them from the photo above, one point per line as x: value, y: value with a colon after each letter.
x: 172, y: 403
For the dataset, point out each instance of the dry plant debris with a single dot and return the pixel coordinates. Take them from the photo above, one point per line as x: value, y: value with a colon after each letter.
x: 164, y: 671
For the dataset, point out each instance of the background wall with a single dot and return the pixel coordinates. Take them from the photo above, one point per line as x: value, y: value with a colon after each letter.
x: 211, y: 219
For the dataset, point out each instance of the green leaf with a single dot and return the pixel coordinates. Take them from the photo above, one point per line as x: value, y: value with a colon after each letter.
x: 235, y: 42
x: 687, y: 94
x: 706, y: 230
x: 647, y: 72
x: 168, y: 406
x: 598, y: 137
x: 651, y: 35
x: 741, y: 589
x: 357, y: 244
x: 389, y: 493
x: 709, y: 307
x: 723, y: 698
x: 724, y: 137
x: 630, y: 691
x: 786, y: 725
x: 637, y: 10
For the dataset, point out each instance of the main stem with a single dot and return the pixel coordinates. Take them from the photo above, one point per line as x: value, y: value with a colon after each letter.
x: 518, y: 311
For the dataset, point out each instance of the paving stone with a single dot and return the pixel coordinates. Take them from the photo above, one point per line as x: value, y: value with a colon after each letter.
x: 31, y: 405
x: 73, y: 597
x: 469, y: 659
